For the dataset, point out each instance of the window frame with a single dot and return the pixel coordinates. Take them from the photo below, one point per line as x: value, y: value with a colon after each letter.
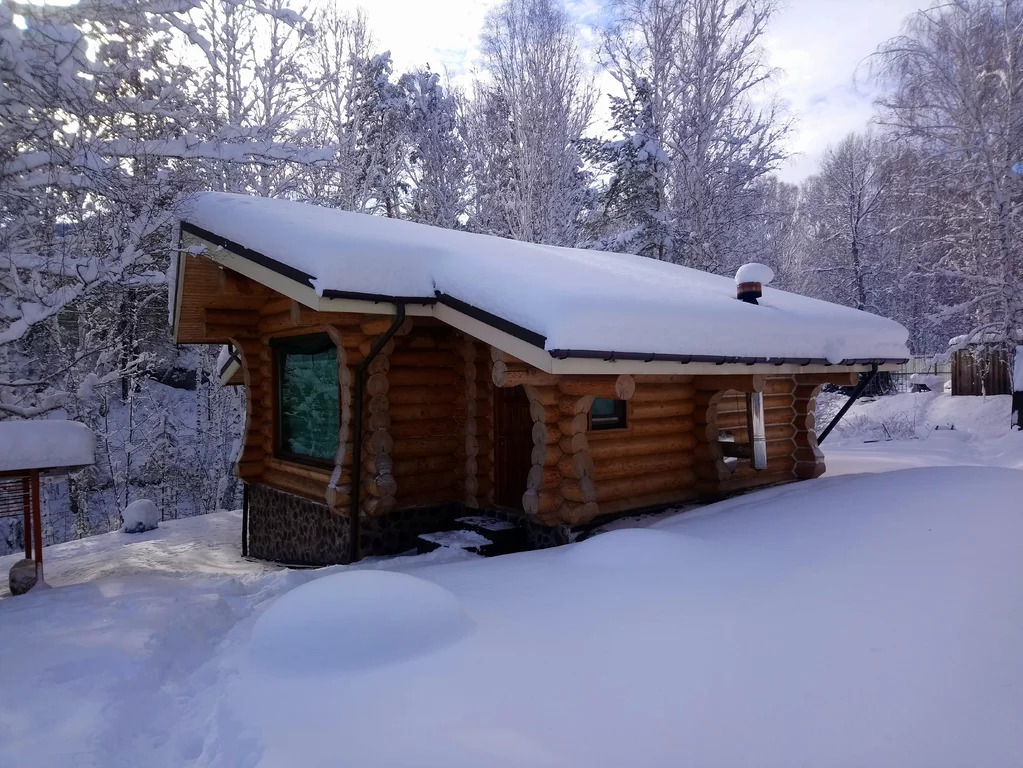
x: 280, y: 347
x: 620, y: 419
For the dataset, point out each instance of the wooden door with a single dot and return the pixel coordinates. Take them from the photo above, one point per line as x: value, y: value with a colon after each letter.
x: 513, y: 434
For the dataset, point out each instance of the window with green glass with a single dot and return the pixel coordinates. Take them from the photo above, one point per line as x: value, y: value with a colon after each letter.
x: 308, y: 403
x: 607, y: 414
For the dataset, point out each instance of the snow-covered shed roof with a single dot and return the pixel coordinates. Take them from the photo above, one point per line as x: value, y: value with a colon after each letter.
x: 572, y: 303
x: 45, y: 444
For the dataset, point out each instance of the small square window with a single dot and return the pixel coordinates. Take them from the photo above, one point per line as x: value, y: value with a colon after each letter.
x: 607, y: 414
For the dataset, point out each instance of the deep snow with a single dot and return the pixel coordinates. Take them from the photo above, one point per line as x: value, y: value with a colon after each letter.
x: 860, y: 619
x: 577, y: 299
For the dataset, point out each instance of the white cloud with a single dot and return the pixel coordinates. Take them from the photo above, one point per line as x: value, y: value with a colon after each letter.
x: 822, y: 46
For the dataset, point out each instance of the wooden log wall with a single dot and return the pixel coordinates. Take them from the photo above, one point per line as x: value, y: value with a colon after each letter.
x: 428, y: 416
x: 651, y: 460
x: 427, y: 391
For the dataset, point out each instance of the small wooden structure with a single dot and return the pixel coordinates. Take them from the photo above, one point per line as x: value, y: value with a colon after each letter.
x: 30, y: 450
x: 982, y: 368
x: 373, y: 418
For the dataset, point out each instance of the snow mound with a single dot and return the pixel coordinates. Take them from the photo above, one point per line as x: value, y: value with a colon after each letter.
x: 754, y: 273
x: 141, y: 515
x: 355, y: 620
x: 624, y: 547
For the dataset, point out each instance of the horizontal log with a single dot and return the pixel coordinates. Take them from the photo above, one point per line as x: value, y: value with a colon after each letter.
x: 659, y: 393
x: 570, y: 444
x: 661, y: 410
x: 415, y: 447
x: 839, y: 379
x: 738, y: 419
x: 621, y: 387
x: 574, y: 425
x: 425, y: 358
x: 580, y: 490
x: 540, y: 477
x: 422, y: 465
x: 300, y: 486
x: 422, y: 377
x: 402, y: 412
x: 738, y: 382
x: 644, y: 485
x: 728, y: 404
x: 504, y: 375
x: 572, y: 513
x: 575, y: 465
x: 650, y: 445
x: 548, y: 455
x: 377, y: 384
x: 783, y: 385
x: 807, y: 470
x: 629, y: 466
x: 429, y: 483
x: 401, y: 395
x: 402, y: 430
x: 639, y: 428
x: 380, y: 485
x: 771, y: 432
x: 762, y: 479
x: 377, y: 442
x: 776, y: 465
x: 570, y: 405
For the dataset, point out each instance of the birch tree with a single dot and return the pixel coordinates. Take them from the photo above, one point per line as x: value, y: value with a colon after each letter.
x: 536, y: 73
x: 702, y: 63
x: 956, y: 93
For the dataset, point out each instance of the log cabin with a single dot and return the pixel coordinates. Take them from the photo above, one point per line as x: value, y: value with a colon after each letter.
x: 399, y: 377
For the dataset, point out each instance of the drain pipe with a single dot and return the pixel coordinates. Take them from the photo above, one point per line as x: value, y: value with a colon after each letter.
x: 757, y: 427
x: 360, y: 385
x: 860, y: 388
x: 245, y: 519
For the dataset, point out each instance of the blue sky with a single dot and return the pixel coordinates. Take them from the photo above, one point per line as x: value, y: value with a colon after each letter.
x: 820, y: 46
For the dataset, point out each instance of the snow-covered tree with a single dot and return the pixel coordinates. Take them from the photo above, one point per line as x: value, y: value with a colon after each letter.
x: 535, y: 73
x: 701, y: 66
x: 436, y: 161
x: 631, y: 213
x: 955, y: 82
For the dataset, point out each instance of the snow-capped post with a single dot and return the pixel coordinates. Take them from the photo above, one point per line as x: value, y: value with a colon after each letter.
x: 29, y: 449
x: 750, y: 280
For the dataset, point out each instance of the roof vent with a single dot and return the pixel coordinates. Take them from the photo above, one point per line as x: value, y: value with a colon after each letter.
x: 750, y: 280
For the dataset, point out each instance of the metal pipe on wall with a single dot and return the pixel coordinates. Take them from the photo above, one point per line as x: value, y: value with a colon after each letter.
x: 757, y: 429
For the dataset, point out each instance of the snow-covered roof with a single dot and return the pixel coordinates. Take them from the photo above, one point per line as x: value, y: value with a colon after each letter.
x: 569, y: 301
x: 45, y: 444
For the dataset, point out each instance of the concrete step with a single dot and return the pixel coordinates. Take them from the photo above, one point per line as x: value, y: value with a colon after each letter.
x: 462, y: 538
x: 506, y: 536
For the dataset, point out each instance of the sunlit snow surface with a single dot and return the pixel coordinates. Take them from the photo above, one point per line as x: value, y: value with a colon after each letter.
x: 861, y: 619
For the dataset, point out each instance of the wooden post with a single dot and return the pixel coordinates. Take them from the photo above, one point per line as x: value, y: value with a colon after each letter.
x: 37, y: 524
x: 26, y: 526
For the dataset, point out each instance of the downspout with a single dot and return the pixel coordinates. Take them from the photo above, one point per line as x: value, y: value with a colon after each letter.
x: 245, y: 519
x: 860, y: 388
x: 360, y: 384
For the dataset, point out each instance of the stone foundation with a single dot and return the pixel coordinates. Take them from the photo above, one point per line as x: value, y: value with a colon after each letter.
x: 294, y: 530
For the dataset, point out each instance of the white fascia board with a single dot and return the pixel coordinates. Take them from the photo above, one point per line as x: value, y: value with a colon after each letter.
x: 506, y: 342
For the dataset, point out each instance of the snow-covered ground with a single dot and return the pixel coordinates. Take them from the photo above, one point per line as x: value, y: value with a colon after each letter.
x: 860, y: 619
